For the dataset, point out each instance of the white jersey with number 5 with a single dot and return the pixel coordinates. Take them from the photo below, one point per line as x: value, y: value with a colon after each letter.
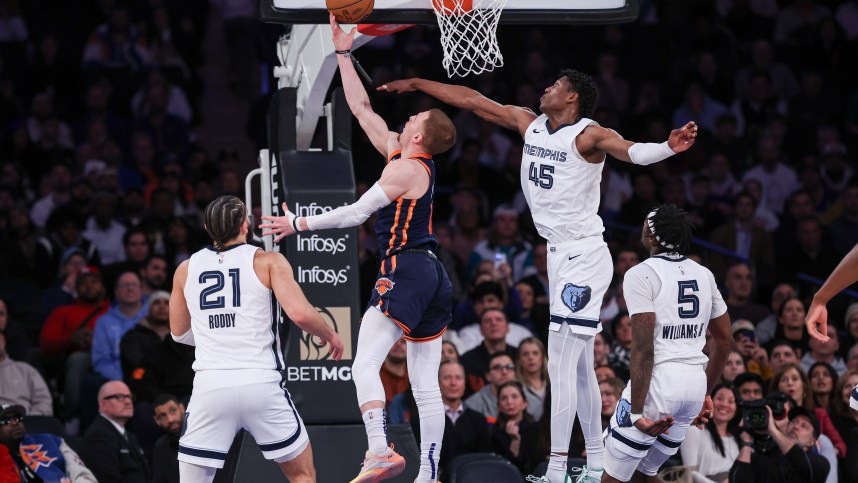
x: 684, y: 297
x: 560, y: 186
x: 233, y: 316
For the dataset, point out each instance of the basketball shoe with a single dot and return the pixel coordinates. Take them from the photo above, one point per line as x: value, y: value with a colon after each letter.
x: 380, y: 467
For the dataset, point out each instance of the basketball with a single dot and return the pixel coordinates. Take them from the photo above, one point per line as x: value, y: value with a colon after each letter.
x: 350, y: 11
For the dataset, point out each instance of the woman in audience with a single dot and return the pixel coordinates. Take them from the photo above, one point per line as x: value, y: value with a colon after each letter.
x: 845, y: 418
x: 513, y: 426
x: 534, y: 316
x: 822, y: 378
x: 449, y: 351
x: 791, y: 325
x: 621, y: 348
x: 611, y: 390
x: 532, y: 370
x: 713, y: 449
x: 735, y: 366
x: 851, y: 324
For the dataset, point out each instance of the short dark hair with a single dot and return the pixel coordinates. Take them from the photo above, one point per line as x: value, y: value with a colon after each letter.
x: 588, y: 93
x: 499, y: 354
x: 747, y: 377
x: 493, y: 309
x: 126, y: 238
x: 488, y: 288
x: 164, y: 398
x: 745, y: 194
x: 672, y: 227
x: 223, y: 219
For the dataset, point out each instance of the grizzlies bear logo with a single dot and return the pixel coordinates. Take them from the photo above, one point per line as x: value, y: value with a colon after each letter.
x: 624, y: 414
x: 575, y: 297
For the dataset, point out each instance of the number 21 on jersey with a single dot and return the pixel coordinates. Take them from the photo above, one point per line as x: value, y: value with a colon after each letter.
x: 214, y: 279
x: 541, y: 177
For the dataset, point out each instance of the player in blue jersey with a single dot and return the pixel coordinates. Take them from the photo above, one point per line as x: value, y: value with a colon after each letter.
x: 412, y: 295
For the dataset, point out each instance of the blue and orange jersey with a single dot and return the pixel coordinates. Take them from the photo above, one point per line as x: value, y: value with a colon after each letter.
x: 407, y: 223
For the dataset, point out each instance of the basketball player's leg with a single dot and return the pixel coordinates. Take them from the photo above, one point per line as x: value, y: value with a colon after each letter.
x: 376, y: 337
x: 424, y: 360
x: 299, y: 468
x: 564, y: 350
x: 589, y: 404
x: 196, y: 473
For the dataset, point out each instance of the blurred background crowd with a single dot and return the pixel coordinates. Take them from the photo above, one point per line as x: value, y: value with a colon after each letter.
x: 108, y: 156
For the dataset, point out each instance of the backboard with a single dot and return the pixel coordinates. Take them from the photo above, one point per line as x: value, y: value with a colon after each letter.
x: 521, y: 12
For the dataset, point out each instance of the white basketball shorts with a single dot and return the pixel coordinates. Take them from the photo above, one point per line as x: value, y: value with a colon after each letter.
x: 676, y: 390
x: 224, y: 402
x: 579, y: 273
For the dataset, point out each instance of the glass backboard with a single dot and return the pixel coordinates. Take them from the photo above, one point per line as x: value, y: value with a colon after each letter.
x: 574, y: 12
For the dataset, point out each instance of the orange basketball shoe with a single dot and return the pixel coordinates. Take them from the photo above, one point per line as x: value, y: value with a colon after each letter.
x: 380, y: 467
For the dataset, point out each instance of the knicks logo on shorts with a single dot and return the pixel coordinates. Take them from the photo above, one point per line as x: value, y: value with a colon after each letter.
x: 384, y: 285
x: 575, y: 297
x: 624, y: 414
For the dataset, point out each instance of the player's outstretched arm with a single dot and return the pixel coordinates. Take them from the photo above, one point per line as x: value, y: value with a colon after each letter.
x: 396, y: 179
x: 180, y: 316
x: 515, y: 118
x: 609, y: 141
x: 372, y: 124
x: 845, y: 274
x: 641, y: 363
x: 295, y: 304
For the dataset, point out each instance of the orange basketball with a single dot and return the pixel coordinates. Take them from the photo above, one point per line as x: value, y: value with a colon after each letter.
x: 350, y: 11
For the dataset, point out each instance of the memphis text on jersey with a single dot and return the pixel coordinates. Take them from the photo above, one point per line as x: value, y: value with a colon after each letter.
x: 544, y: 153
x: 683, y: 331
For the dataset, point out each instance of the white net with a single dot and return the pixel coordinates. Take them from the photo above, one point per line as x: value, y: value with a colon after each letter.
x: 469, y: 35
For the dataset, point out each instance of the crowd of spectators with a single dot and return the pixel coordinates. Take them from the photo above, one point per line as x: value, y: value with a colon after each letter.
x: 102, y: 181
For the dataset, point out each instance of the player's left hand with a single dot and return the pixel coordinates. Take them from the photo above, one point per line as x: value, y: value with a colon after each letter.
x: 335, y: 345
x: 682, y: 139
x: 279, y: 226
x: 654, y: 428
x: 342, y: 40
x: 705, y: 413
x: 817, y: 321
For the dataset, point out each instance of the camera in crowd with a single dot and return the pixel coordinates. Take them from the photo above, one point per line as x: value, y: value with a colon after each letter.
x: 755, y: 418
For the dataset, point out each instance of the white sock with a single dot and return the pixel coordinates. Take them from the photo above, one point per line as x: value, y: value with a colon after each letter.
x: 375, y: 421
x: 556, y: 468
x: 595, y: 453
x: 429, y: 455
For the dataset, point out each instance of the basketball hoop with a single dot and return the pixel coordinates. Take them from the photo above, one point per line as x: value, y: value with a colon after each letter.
x: 469, y: 35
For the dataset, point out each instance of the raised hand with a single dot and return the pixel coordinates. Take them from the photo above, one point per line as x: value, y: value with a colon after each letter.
x: 397, y: 86
x: 342, y: 40
x: 654, y: 428
x: 279, y: 226
x: 705, y: 413
x: 817, y: 321
x: 682, y: 139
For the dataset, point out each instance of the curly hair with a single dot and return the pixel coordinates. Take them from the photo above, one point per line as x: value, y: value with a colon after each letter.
x: 588, y: 93
x: 671, y: 227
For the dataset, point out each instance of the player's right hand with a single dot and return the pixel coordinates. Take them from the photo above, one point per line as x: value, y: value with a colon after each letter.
x: 342, y: 40
x: 335, y: 345
x: 397, y: 86
x: 706, y: 413
x: 817, y: 321
x: 279, y: 226
x: 654, y: 428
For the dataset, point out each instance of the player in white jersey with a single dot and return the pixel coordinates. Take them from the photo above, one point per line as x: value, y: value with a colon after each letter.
x: 672, y: 301
x: 222, y: 303
x: 561, y: 171
x: 845, y: 274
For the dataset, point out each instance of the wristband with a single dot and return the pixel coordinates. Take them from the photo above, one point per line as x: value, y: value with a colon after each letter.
x: 343, y: 51
x: 295, y: 224
x: 634, y: 417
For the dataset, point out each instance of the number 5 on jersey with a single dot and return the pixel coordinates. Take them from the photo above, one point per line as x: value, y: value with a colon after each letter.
x: 542, y: 177
x: 219, y: 302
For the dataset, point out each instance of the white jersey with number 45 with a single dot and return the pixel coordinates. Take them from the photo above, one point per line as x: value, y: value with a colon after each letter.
x: 233, y: 315
x: 560, y: 186
x: 684, y: 297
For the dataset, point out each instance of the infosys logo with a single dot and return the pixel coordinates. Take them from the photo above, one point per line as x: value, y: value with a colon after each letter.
x: 317, y: 274
x: 321, y: 244
x: 313, y: 209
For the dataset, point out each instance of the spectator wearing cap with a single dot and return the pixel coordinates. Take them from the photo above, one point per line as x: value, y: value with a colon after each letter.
x: 846, y: 224
x: 745, y: 340
x: 21, y: 384
x: 66, y: 338
x: 836, y: 171
x: 824, y: 352
x: 110, y: 327
x: 504, y: 244
x: 103, y: 230
x: 35, y: 456
x: 792, y: 458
